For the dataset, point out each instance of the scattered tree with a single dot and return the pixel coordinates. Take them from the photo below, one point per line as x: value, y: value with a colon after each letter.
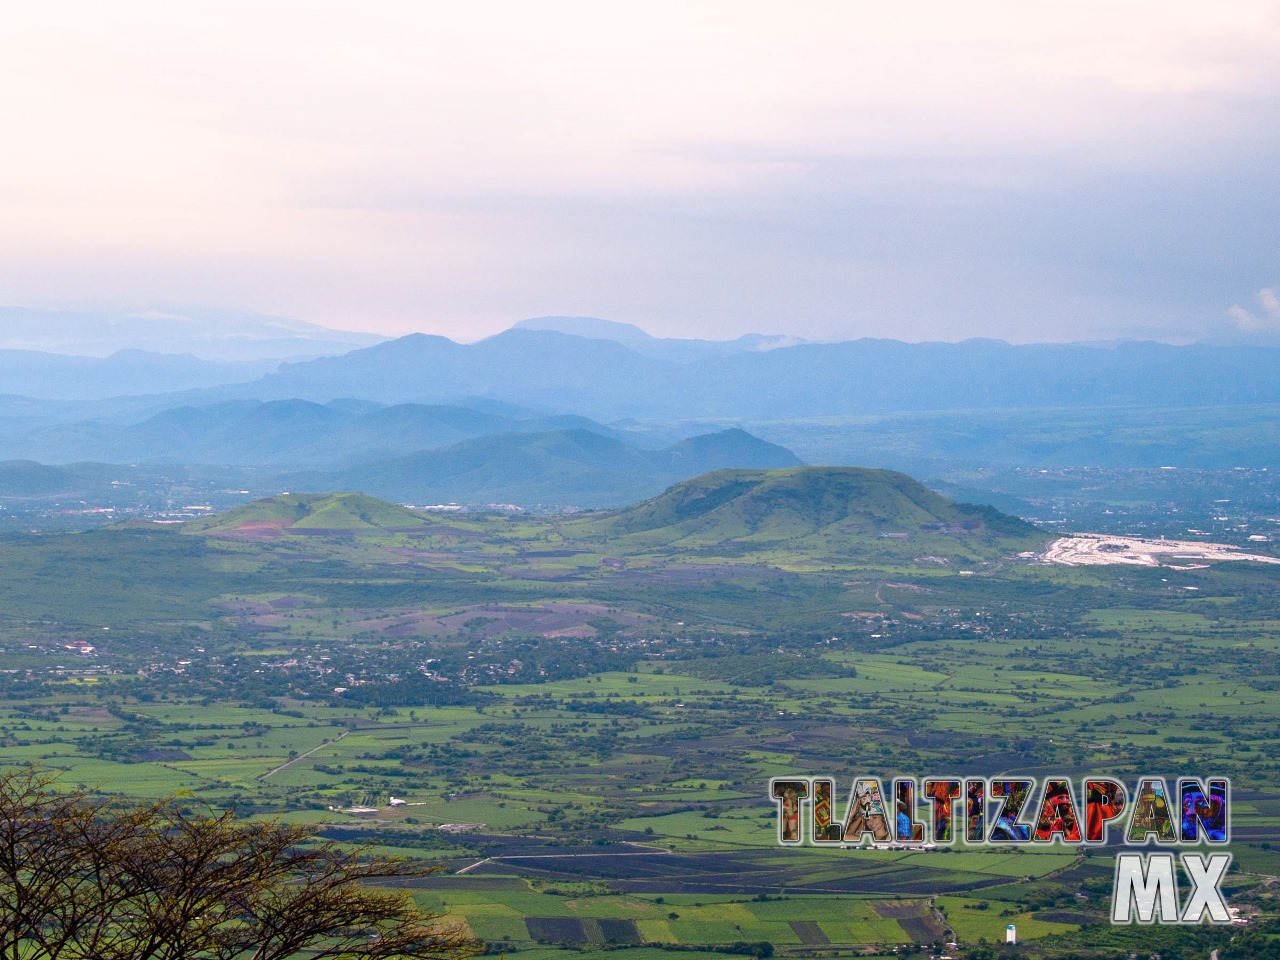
x: 112, y: 880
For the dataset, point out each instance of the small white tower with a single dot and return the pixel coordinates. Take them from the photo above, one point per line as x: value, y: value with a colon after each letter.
x: 1011, y: 934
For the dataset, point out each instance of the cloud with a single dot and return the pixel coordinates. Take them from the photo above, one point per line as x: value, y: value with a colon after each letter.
x: 706, y: 166
x: 1266, y: 322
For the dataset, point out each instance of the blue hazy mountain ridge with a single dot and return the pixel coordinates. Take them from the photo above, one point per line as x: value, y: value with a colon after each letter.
x: 570, y: 461
x: 911, y: 406
x: 600, y: 377
x: 54, y: 376
x: 575, y: 467
x: 607, y: 380
x: 286, y: 434
x: 532, y: 368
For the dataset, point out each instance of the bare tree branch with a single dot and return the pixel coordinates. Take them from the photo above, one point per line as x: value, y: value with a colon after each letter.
x: 119, y: 881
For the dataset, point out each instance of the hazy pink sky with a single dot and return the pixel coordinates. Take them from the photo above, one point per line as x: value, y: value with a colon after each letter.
x: 828, y: 169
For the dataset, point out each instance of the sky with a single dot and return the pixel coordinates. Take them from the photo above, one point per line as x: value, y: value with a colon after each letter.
x: 831, y: 170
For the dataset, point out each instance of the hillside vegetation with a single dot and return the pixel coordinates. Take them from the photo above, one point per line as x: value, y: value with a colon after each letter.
x: 819, y: 513
x: 826, y: 511
x: 301, y: 512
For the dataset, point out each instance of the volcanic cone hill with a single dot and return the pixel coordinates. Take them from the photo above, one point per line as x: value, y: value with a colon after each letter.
x: 825, y: 510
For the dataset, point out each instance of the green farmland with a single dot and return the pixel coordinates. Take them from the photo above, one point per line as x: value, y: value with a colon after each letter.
x: 597, y: 738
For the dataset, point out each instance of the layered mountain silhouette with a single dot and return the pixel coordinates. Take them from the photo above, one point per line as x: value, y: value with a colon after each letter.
x: 605, y: 379
x: 364, y: 416
x: 575, y: 467
x: 277, y: 433
x: 405, y: 453
x: 54, y: 376
x: 610, y: 371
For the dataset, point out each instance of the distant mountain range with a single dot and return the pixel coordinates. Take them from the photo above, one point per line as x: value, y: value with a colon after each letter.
x: 578, y: 410
x: 608, y: 380
x: 53, y: 376
x: 610, y: 371
x: 277, y: 433
x: 406, y: 453
x: 577, y: 467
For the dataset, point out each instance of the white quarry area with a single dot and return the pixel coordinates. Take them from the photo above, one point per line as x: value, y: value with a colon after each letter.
x: 1096, y: 549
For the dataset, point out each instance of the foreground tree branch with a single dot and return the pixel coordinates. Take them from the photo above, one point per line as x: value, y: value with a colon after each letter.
x: 115, y: 881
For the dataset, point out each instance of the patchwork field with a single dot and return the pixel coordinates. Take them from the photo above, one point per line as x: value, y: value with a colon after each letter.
x: 587, y: 747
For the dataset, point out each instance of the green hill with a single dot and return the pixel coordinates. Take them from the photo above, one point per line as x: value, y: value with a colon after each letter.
x: 829, y: 510
x: 309, y: 512
x: 734, y: 546
x: 806, y: 515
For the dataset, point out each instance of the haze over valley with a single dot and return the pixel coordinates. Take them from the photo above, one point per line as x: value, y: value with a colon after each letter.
x: 579, y: 481
x: 576, y: 413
